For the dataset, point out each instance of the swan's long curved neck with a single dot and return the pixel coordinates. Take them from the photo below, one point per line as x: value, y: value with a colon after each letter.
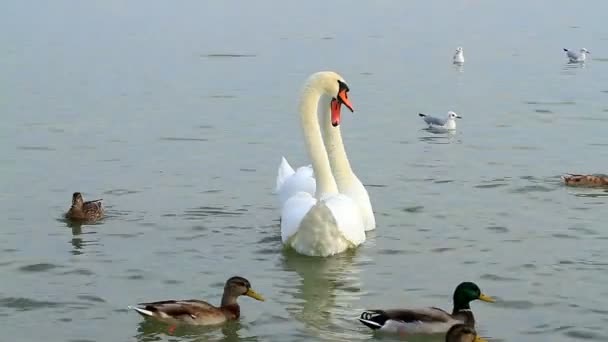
x: 332, y: 137
x: 309, y: 120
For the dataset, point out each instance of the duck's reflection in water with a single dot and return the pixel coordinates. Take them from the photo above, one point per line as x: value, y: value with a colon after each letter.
x: 151, y: 330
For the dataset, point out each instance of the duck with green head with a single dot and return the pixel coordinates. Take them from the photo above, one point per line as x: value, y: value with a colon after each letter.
x: 80, y: 210
x: 427, y: 320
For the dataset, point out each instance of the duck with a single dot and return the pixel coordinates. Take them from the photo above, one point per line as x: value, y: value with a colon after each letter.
x: 327, y: 222
x: 198, y: 312
x: 462, y: 333
x: 458, y: 56
x: 430, y: 320
x: 80, y: 210
x: 589, y: 180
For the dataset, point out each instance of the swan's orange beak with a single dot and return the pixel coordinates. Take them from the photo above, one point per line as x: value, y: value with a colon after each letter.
x: 336, y: 105
x: 335, y: 112
x: 343, y: 98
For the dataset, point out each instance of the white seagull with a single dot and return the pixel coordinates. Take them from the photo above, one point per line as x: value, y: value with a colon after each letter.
x: 459, y: 56
x: 447, y: 123
x: 577, y: 57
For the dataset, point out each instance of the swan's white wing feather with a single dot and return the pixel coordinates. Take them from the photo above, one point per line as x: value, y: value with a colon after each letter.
x: 348, y: 218
x: 359, y: 194
x: 292, y: 213
x: 306, y: 170
x: 302, y: 180
x: 285, y: 171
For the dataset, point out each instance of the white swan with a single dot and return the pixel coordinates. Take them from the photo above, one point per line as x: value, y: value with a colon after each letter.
x: 289, y: 182
x: 348, y: 183
x: 328, y: 222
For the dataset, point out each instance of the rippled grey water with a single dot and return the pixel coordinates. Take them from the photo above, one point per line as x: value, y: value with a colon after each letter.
x: 176, y: 114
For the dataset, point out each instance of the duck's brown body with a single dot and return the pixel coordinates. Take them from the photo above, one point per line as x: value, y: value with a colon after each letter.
x: 84, y: 211
x: 191, y: 311
x: 198, y: 312
x: 586, y: 180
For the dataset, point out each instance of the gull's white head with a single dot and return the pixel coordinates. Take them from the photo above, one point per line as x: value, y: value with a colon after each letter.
x: 331, y: 84
x: 453, y: 116
x: 459, y: 50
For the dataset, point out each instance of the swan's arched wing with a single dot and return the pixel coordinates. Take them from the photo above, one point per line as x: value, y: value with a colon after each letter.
x: 347, y: 216
x: 359, y: 194
x: 285, y: 171
x: 292, y: 213
x: 301, y: 180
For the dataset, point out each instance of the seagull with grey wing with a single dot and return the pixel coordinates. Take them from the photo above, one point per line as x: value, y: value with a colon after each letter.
x: 458, y: 56
x: 447, y: 123
x: 577, y: 57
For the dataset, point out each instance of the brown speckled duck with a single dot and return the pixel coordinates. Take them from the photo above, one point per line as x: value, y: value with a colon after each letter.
x: 198, y: 312
x: 462, y: 333
x: 84, y: 211
x: 586, y: 180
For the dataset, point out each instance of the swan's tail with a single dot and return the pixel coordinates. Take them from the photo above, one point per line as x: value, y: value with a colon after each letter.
x: 284, y: 172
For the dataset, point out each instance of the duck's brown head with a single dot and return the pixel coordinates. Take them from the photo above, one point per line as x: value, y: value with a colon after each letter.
x: 462, y: 333
x: 239, y: 286
x: 77, y: 200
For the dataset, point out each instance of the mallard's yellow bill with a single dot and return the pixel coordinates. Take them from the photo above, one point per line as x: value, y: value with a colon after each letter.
x: 486, y: 298
x: 479, y: 339
x: 254, y: 295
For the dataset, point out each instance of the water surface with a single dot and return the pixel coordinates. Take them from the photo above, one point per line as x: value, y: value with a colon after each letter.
x: 177, y: 114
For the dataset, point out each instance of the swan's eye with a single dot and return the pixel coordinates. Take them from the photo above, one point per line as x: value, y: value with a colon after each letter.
x: 342, y: 86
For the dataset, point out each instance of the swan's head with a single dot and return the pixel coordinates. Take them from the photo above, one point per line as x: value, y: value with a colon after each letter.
x: 333, y: 85
x: 453, y: 116
x: 583, y: 50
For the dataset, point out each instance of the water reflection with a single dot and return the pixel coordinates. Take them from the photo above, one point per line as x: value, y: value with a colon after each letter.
x: 440, y: 136
x: 458, y: 67
x: 78, y: 243
x: 569, y: 68
x: 152, y: 330
x: 327, y: 286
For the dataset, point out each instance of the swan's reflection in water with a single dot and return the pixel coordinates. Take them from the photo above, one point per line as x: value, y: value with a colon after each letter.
x: 151, y: 330
x: 323, y: 298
